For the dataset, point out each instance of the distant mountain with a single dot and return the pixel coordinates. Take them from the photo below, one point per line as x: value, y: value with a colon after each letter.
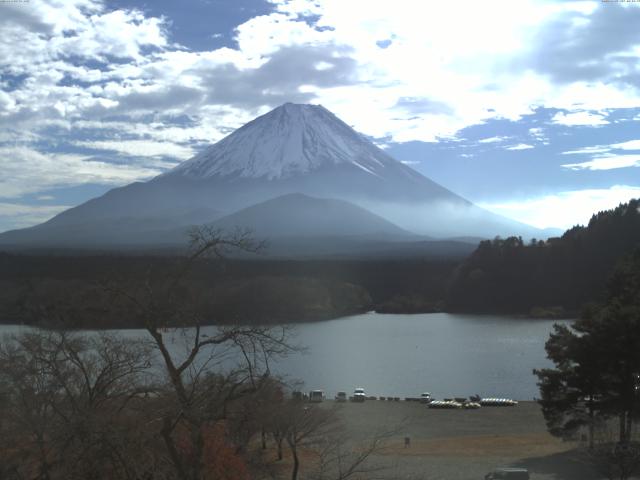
x: 292, y: 149
x: 296, y: 225
x: 298, y: 215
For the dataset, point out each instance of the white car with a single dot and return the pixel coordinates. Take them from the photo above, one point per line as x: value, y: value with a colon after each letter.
x: 359, y: 395
x: 425, y: 397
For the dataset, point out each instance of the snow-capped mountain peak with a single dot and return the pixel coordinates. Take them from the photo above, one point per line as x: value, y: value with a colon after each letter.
x: 290, y: 140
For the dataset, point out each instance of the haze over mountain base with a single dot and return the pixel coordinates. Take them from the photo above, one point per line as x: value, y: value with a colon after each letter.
x: 250, y: 179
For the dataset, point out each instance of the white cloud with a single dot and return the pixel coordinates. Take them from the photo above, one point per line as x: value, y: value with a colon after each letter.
x: 588, y: 150
x: 140, y: 148
x: 610, y: 162
x: 15, y: 215
x: 538, y: 134
x: 28, y: 171
x: 581, y: 118
x: 469, y: 81
x: 629, y: 145
x: 564, y: 209
x: 519, y: 146
x: 475, y: 79
x: 594, y: 149
x: 493, y: 139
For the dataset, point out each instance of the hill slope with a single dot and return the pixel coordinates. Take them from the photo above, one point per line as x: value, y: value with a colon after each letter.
x: 298, y: 215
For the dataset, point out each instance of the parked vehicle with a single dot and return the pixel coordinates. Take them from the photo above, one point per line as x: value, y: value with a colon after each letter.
x: 359, y: 395
x: 341, y: 397
x: 425, y: 397
x: 316, y: 396
x: 508, y: 474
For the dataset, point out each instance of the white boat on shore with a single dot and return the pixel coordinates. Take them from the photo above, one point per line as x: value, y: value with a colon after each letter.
x: 498, y: 402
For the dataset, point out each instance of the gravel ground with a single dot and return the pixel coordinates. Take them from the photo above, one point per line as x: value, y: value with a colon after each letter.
x: 463, y: 444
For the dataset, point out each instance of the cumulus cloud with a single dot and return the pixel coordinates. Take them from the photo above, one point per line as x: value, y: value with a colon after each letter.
x: 111, y: 79
x: 102, y: 63
x: 279, y: 78
x: 417, y: 105
x: 582, y: 118
x: 26, y: 170
x: 140, y: 148
x: 594, y: 43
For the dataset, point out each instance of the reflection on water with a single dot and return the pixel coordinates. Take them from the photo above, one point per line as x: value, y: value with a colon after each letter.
x: 404, y: 355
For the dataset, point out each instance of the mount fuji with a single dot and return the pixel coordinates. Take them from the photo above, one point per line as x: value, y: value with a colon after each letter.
x: 293, y: 149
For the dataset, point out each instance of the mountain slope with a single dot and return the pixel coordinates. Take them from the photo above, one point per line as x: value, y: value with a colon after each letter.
x: 292, y: 149
x: 298, y: 215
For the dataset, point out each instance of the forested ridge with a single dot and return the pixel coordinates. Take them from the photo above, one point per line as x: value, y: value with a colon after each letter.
x: 72, y: 288
x: 554, y: 277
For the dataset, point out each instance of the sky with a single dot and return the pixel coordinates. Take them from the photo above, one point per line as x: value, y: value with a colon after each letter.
x: 530, y: 109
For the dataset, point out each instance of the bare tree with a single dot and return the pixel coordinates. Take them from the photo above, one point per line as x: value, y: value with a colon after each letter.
x: 305, y: 424
x: 340, y: 458
x: 200, y: 399
x: 67, y: 400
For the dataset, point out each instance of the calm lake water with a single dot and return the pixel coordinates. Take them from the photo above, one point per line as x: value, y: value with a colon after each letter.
x: 404, y: 355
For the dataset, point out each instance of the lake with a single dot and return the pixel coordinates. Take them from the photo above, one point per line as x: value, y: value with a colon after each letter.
x: 405, y: 355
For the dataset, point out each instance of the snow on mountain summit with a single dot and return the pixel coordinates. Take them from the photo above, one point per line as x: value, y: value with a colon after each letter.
x: 290, y: 140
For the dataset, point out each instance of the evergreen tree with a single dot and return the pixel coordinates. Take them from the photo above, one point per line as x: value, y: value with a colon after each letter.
x: 597, y: 360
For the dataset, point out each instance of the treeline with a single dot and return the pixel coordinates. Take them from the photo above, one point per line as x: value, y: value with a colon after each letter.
x: 74, y: 289
x: 555, y: 277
